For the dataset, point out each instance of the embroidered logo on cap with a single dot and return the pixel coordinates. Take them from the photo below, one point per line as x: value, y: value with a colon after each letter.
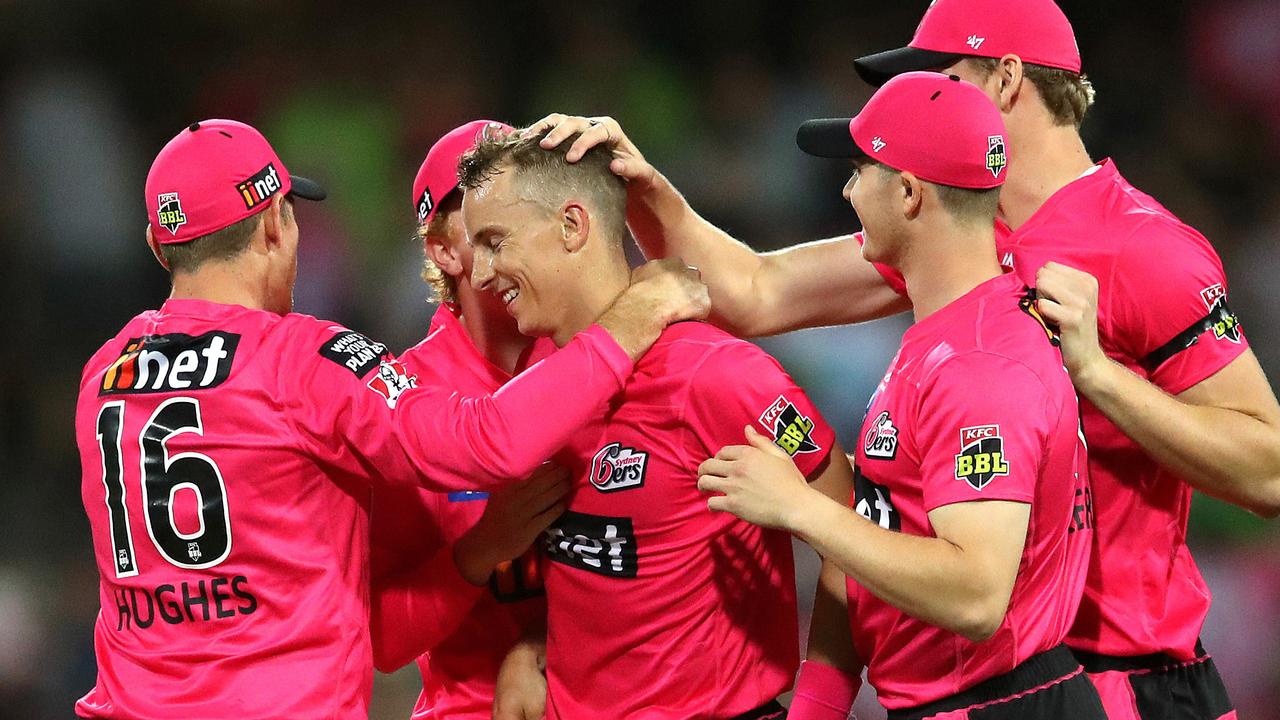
x: 262, y: 185
x: 974, y: 41
x: 170, y: 213
x: 996, y: 158
x: 877, y: 144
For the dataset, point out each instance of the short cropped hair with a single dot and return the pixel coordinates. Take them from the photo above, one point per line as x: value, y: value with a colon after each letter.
x: 1066, y: 94
x: 224, y: 244
x: 547, y: 177
x: 963, y: 204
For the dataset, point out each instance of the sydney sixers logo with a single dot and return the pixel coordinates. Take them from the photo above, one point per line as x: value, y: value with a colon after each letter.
x: 616, y: 467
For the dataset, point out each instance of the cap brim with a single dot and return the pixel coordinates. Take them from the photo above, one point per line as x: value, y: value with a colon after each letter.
x: 306, y: 188
x: 828, y: 138
x: 881, y: 67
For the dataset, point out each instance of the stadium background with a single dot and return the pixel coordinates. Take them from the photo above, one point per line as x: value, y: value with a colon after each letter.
x: 354, y: 93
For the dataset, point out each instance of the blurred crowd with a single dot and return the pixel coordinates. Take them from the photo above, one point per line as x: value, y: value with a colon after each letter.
x: 354, y: 93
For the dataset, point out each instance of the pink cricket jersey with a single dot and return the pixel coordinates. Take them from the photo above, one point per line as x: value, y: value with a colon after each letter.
x: 658, y: 607
x: 423, y: 608
x: 227, y: 458
x: 976, y: 406
x: 1162, y: 313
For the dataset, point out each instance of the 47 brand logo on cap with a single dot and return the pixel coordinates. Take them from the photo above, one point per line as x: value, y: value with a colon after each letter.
x: 981, y: 456
x: 169, y: 212
x: 618, y: 468
x: 262, y: 185
x: 791, y: 430
x: 996, y: 157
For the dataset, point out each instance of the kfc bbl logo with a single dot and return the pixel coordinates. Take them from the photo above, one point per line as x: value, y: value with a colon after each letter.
x: 996, y: 157
x: 1225, y: 324
x: 981, y: 456
x: 169, y: 212
x: 791, y: 430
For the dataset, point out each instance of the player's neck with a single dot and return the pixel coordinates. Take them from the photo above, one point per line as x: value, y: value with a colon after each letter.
x: 491, y: 329
x: 938, y: 272
x: 1044, y: 159
x: 593, y: 292
x: 222, y: 283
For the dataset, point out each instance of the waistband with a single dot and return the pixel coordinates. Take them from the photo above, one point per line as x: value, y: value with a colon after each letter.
x: 768, y: 711
x: 1096, y: 663
x: 1034, y: 672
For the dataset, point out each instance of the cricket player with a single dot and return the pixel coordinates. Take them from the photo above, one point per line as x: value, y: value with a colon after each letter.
x: 1171, y: 396
x: 228, y: 447
x: 657, y: 608
x: 969, y: 541
x: 455, y: 582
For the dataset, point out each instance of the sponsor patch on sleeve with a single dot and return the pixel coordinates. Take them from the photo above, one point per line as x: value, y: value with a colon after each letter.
x: 791, y: 431
x: 981, y: 457
x: 354, y: 352
x: 392, y: 380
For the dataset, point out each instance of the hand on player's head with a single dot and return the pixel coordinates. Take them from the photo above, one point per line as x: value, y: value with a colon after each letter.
x: 628, y: 163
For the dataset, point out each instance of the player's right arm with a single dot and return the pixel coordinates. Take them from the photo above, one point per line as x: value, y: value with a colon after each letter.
x: 357, y: 410
x: 826, y: 282
x: 831, y: 672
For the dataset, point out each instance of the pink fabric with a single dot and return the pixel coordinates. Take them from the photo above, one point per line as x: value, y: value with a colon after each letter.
x: 976, y: 406
x: 658, y: 607
x: 291, y: 421
x: 823, y: 693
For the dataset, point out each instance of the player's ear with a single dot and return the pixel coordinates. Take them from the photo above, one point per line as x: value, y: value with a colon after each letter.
x: 912, y: 193
x: 576, y: 226
x: 439, y: 252
x: 155, y: 248
x: 273, y: 221
x: 1008, y: 78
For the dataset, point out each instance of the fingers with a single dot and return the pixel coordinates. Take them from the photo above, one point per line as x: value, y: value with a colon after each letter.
x: 597, y: 132
x: 713, y: 484
x: 763, y: 443
x: 545, y: 124
x: 715, y: 466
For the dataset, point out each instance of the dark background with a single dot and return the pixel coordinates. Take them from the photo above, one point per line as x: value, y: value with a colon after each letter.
x: 1188, y: 106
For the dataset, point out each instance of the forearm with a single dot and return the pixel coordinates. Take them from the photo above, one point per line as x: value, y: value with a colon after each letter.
x: 665, y: 225
x: 926, y: 577
x: 1223, y: 452
x: 478, y: 443
x: 414, y: 611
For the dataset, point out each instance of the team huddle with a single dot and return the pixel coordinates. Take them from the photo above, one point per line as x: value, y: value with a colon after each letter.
x: 575, y: 498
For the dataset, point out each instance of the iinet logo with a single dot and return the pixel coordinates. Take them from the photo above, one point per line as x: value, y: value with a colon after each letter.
x: 161, y: 363
x: 974, y: 41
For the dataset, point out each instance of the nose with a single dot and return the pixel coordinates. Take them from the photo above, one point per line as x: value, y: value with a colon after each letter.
x: 482, y: 269
x: 848, y: 189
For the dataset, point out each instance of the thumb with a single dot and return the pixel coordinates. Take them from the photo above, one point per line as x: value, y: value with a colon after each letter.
x: 760, y: 442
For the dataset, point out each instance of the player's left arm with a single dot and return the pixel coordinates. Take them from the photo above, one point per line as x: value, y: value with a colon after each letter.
x: 831, y: 673
x: 1220, y: 434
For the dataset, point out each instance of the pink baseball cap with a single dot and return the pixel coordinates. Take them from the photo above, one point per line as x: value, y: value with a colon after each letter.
x: 215, y: 174
x: 1034, y: 30
x: 438, y: 175
x: 934, y: 126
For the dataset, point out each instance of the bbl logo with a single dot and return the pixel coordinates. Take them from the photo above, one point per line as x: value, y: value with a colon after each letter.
x: 981, y: 456
x: 618, y: 468
x: 996, y: 158
x: 424, y: 204
x: 791, y: 430
x: 170, y: 214
x: 259, y: 187
x: 1225, y: 324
